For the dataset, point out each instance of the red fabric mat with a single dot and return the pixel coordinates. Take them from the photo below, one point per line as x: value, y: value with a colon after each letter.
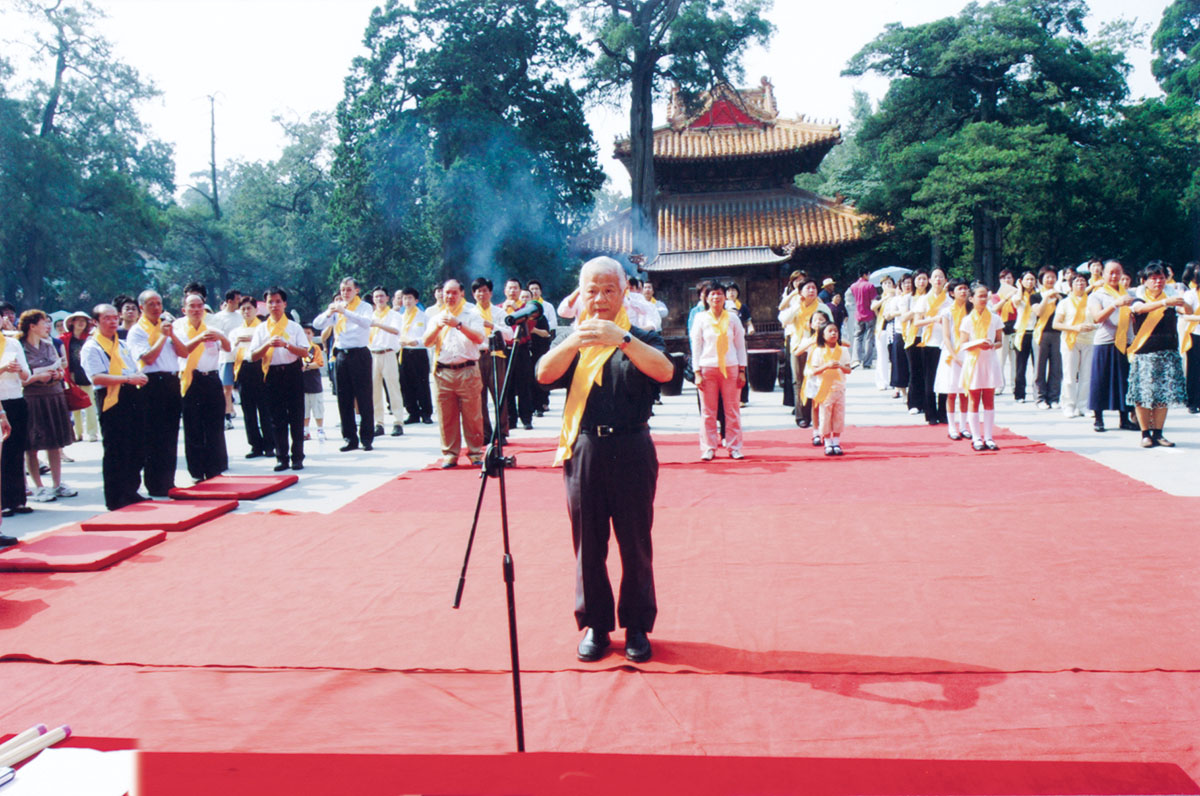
x: 73, y: 550
x: 234, y: 487
x: 165, y: 515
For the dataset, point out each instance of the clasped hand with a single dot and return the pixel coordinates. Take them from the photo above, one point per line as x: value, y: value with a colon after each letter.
x: 596, y: 331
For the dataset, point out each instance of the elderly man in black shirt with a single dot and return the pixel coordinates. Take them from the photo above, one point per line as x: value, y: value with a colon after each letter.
x: 610, y: 469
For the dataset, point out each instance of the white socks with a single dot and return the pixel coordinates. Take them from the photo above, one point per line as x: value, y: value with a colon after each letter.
x: 989, y: 423
x: 956, y: 420
x: 973, y: 420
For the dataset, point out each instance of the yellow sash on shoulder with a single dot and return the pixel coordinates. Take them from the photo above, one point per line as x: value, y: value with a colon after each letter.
x: 379, y: 315
x: 910, y: 328
x: 116, y: 367
x: 721, y: 327
x: 589, y: 371
x: 1152, y: 319
x: 240, y: 354
x: 935, y: 305
x: 1045, y: 316
x: 340, y: 326
x: 981, y: 322
x: 1121, y: 341
x: 456, y: 310
x: 830, y: 376
x: 950, y: 341
x: 274, y: 328
x: 189, y: 369
x: 153, y: 331
x: 1080, y: 307
x: 1023, y: 318
x: 487, y: 317
x: 800, y: 323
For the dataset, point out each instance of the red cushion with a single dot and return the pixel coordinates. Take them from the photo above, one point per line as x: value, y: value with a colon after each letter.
x: 235, y: 487
x: 72, y: 550
x: 166, y: 515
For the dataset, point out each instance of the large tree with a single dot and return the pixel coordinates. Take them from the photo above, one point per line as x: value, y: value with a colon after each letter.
x: 83, y: 184
x: 1176, y: 46
x: 1018, y: 64
x: 644, y: 45
x: 461, y: 143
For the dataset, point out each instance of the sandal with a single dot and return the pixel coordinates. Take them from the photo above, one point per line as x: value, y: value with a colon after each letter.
x: 837, y: 450
x: 991, y: 445
x: 817, y: 441
x: 954, y: 435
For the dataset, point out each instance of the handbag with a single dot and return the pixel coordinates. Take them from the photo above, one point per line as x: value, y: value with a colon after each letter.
x: 76, y: 398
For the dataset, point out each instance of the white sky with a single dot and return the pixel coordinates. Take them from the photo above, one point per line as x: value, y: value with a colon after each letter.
x: 262, y: 58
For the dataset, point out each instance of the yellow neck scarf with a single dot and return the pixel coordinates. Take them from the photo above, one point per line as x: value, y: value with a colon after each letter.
x: 486, y: 314
x: 340, y: 326
x: 935, y: 304
x: 1023, y: 319
x: 721, y: 327
x: 1079, y: 303
x: 737, y: 304
x: 589, y: 371
x: 410, y: 315
x: 1122, y: 336
x: 456, y: 310
x: 1151, y: 321
x: 153, y: 331
x: 274, y: 328
x: 240, y: 354
x: 830, y: 376
x: 981, y: 323
x: 1050, y: 299
x: 910, y: 328
x: 185, y: 380
x: 116, y: 366
x: 800, y: 323
x: 950, y: 341
x: 380, y: 314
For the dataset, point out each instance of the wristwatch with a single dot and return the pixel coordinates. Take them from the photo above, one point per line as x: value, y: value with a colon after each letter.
x: 626, y: 340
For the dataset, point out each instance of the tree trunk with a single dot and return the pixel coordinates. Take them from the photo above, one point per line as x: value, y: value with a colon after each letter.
x: 935, y: 254
x: 212, y: 132
x: 641, y: 171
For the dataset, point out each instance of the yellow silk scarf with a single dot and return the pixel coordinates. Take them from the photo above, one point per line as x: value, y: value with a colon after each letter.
x: 116, y: 366
x: 828, y: 377
x: 340, y: 326
x: 189, y: 369
x: 410, y: 315
x: 910, y: 328
x: 1148, y: 325
x: 935, y: 304
x: 486, y: 314
x: 1122, y: 337
x: 1023, y: 319
x: 1080, y: 306
x: 380, y: 314
x: 153, y: 331
x: 240, y: 354
x: 981, y: 323
x: 800, y: 323
x: 456, y: 310
x: 589, y: 371
x: 1048, y: 296
x: 957, y: 313
x: 721, y: 327
x: 274, y: 328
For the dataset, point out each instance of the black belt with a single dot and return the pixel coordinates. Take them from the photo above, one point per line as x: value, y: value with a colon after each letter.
x: 385, y: 351
x: 161, y: 374
x: 470, y: 363
x: 612, y: 431
x: 204, y: 373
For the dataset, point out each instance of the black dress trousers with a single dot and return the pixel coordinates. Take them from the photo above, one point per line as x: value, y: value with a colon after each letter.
x: 284, y: 394
x: 1049, y: 366
x: 612, y: 480
x: 121, y: 433
x: 204, y: 427
x: 12, y: 454
x: 353, y: 373
x: 257, y: 420
x: 414, y: 382
x: 162, y: 407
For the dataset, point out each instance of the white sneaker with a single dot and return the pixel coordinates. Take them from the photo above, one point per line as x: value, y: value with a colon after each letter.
x: 92, y: 438
x: 64, y: 490
x: 708, y: 455
x: 43, y: 494
x: 914, y: 411
x: 320, y: 435
x: 736, y: 455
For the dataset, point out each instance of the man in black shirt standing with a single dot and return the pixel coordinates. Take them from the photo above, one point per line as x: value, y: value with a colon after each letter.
x: 610, y: 469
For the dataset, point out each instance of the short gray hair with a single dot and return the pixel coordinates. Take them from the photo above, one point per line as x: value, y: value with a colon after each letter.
x: 146, y: 294
x: 605, y: 264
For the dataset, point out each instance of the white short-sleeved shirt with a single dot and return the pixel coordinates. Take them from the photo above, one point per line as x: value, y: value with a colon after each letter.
x: 224, y: 321
x: 138, y: 341
x: 456, y: 346
x: 294, y: 334
x: 209, y: 360
x: 380, y: 340
x: 10, y: 383
x: 1064, y: 315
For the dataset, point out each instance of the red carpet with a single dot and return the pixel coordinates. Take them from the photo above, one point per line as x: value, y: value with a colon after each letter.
x: 912, y: 599
x: 234, y: 487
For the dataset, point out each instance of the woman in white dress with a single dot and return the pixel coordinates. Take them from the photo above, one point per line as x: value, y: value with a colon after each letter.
x: 883, y: 335
x: 948, y: 381
x: 980, y: 337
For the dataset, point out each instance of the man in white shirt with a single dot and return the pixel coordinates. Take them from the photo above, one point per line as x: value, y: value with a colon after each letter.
x: 156, y: 348
x: 540, y: 343
x: 384, y: 344
x: 351, y: 320
x: 648, y: 294
x: 493, y: 365
x: 278, y: 346
x: 414, y: 358
x: 455, y: 334
x: 226, y: 320
x: 203, y: 399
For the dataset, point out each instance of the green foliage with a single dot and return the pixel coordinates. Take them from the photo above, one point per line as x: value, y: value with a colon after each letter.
x: 82, y: 185
x: 1176, y: 46
x: 462, y: 149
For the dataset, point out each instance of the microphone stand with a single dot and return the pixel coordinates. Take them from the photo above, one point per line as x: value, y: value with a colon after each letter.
x: 494, y: 465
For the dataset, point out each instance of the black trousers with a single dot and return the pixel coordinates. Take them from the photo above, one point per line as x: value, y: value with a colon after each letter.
x: 259, y: 432
x: 414, y: 382
x: 12, y: 454
x: 1193, y: 373
x: 284, y: 396
x: 935, y: 405
x: 1022, y: 366
x: 121, y: 433
x: 612, y: 480
x: 802, y: 409
x: 1048, y: 381
x: 488, y: 365
x: 162, y: 406
x: 915, y: 356
x: 520, y: 391
x: 353, y: 373
x: 204, y: 427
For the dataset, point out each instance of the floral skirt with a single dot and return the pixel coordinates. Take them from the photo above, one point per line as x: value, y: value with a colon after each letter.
x: 1156, y: 380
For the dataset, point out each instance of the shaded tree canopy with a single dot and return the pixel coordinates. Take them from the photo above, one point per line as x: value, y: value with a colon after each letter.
x: 1176, y: 46
x: 462, y: 147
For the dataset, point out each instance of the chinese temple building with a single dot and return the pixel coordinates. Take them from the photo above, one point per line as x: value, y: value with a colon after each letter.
x: 728, y: 208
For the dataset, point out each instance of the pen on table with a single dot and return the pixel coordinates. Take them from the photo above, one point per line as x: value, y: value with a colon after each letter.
x: 31, y: 748
x: 22, y: 738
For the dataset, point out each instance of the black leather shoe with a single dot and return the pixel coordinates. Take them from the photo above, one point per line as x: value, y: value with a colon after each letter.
x: 297, y: 465
x: 804, y: 423
x: 397, y: 430
x: 594, y: 645
x: 411, y: 419
x: 378, y: 430
x: 368, y: 446
x: 527, y: 426
x: 7, y: 541
x: 279, y: 468
x: 23, y: 509
x: 349, y: 446
x: 1129, y: 425
x: 6, y: 512
x: 427, y: 420
x: 637, y: 646
x: 254, y: 454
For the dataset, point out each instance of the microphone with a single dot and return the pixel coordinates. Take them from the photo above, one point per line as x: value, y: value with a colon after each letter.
x: 530, y: 312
